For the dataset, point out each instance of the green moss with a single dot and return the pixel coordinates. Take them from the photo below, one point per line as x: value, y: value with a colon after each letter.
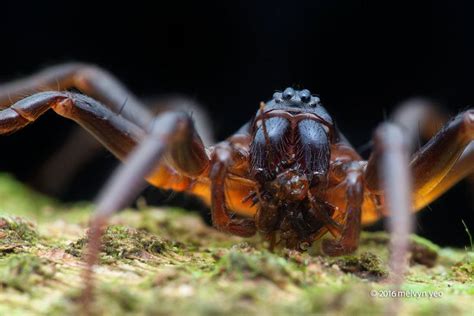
x: 244, y: 262
x: 23, y: 271
x: 422, y: 251
x: 463, y: 270
x: 120, y: 242
x: 367, y: 266
x: 168, y: 262
x: 16, y: 234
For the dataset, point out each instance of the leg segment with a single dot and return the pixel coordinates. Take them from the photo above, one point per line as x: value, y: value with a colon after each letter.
x: 114, y: 132
x: 81, y: 148
x: 349, y: 239
x: 463, y: 168
x: 419, y: 119
x: 391, y: 160
x: 90, y: 80
x: 245, y: 227
x: 393, y: 169
x: 440, y: 157
x: 437, y: 165
x: 170, y: 130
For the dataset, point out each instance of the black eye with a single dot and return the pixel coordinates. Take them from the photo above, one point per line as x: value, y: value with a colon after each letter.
x: 305, y: 96
x: 288, y: 93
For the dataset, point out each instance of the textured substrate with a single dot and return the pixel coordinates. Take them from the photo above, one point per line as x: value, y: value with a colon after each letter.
x: 168, y: 262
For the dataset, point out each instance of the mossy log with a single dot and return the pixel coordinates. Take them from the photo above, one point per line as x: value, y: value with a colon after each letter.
x: 168, y: 262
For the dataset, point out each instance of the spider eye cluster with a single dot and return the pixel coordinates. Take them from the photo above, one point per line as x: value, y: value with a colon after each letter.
x: 296, y: 97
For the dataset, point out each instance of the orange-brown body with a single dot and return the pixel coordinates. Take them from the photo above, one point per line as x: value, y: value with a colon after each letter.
x: 239, y: 185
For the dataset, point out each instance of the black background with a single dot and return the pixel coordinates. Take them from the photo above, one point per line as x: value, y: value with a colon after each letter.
x: 361, y: 57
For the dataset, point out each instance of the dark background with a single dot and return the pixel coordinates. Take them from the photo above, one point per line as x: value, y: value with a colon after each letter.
x: 361, y: 57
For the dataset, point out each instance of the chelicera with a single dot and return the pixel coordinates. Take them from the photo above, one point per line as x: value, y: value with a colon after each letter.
x: 288, y: 174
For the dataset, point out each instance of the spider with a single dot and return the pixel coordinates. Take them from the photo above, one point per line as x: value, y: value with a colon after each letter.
x: 288, y: 174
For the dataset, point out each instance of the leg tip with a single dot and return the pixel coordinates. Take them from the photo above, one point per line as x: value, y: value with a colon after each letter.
x: 335, y: 248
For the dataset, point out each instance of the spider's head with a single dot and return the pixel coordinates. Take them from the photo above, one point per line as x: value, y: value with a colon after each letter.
x: 290, y: 156
x: 291, y: 132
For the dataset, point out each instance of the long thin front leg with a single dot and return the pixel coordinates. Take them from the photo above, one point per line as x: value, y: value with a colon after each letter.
x: 115, y: 132
x: 463, y: 168
x: 392, y: 162
x: 173, y: 135
x: 421, y: 119
x: 91, y: 80
x: 443, y: 156
x: 390, y: 158
x: 79, y: 148
x: 437, y: 165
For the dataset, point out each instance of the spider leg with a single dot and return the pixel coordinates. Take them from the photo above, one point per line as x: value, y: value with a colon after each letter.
x: 120, y: 136
x: 391, y: 159
x: 463, y: 168
x: 80, y: 148
x: 116, y: 133
x: 349, y: 239
x: 221, y: 219
x: 439, y: 164
x: 174, y: 139
x: 421, y: 118
x: 89, y: 79
x: 444, y: 160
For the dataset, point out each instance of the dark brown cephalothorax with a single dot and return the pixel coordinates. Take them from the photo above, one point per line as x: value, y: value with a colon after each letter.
x: 288, y: 173
x: 290, y: 156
